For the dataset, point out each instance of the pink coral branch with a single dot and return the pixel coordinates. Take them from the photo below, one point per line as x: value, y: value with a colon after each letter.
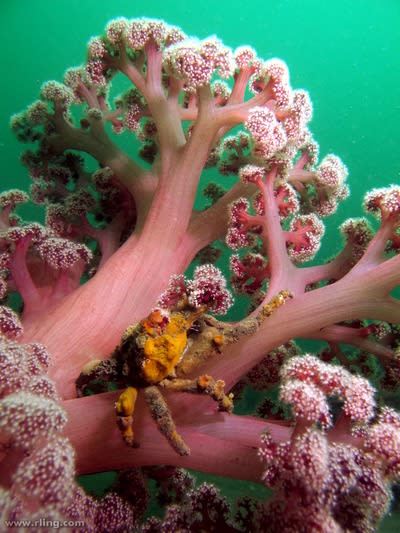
x: 129, y: 69
x: 215, y: 447
x: 282, y: 270
x: 355, y: 337
x: 22, y: 277
x: 301, y: 317
x: 209, y: 225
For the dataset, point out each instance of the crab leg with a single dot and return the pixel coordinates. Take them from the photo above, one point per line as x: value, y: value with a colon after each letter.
x: 204, y: 385
x: 163, y: 418
x: 97, y: 370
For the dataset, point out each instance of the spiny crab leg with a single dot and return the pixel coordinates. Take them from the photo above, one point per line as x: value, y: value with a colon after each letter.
x: 273, y: 304
x: 163, y: 418
x: 203, y: 384
x: 102, y: 371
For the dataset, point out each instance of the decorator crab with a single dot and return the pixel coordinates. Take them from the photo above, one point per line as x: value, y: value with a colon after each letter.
x: 163, y: 348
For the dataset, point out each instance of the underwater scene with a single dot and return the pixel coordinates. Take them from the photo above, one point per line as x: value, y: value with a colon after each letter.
x: 200, y: 266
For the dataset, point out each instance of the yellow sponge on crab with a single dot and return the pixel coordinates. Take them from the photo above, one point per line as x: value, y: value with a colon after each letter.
x: 126, y: 402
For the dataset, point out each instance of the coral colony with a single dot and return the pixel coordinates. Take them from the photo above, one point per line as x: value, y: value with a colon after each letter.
x: 115, y: 360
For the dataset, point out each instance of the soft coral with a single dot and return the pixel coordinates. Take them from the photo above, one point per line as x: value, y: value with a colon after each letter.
x: 140, y: 221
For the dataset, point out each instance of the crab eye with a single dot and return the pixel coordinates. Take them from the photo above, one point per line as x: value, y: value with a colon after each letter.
x: 195, y: 328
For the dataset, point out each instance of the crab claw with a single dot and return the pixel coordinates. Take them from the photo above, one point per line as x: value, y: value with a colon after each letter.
x: 124, y: 408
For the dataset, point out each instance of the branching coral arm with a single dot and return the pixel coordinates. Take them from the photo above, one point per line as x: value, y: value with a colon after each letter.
x: 21, y: 275
x: 91, y: 137
x: 304, y: 315
x: 166, y: 117
x: 209, y: 225
x: 178, y: 183
x: 236, y: 113
x: 281, y: 268
x: 356, y: 337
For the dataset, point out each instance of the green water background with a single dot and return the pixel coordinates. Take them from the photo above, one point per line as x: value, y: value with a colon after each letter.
x: 346, y: 53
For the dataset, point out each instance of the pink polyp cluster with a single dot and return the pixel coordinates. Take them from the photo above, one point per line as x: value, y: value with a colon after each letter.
x: 174, y: 292
x: 26, y: 417
x: 287, y: 201
x: 296, y: 118
x: 245, y: 57
x: 308, y: 402
x: 35, y: 260
x: 384, y: 202
x: 61, y: 255
x: 196, y: 62
x: 24, y: 367
x: 206, y: 289
x: 251, y: 174
x: 9, y: 200
x: 248, y: 273
x: 10, y: 324
x: 331, y: 173
x: 42, y: 483
x: 139, y: 32
x: 321, y: 380
x: 274, y: 75
x: 326, y: 478
x: 115, y: 30
x: 238, y: 235
x: 268, y: 134
x: 95, y: 73
x: 358, y: 231
x: 304, y: 237
x: 96, y: 49
x: 266, y: 374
